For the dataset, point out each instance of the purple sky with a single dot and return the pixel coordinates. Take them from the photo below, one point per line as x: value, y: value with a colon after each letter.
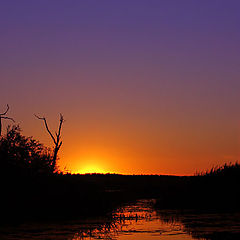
x: 136, y: 80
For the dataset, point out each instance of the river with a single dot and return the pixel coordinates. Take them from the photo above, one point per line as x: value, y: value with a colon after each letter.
x: 134, y: 221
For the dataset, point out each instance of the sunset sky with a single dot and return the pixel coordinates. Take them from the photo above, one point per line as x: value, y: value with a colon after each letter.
x: 146, y: 87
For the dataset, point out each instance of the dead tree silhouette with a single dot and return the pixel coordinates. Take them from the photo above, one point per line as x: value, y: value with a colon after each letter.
x: 56, y: 140
x: 3, y: 116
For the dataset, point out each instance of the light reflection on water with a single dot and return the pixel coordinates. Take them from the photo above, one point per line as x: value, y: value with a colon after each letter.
x: 136, y: 221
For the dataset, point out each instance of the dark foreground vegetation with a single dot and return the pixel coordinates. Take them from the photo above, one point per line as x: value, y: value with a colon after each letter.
x: 216, y: 189
x: 33, y: 188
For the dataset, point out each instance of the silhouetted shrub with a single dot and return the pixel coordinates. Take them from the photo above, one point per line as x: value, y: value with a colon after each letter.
x: 20, y: 155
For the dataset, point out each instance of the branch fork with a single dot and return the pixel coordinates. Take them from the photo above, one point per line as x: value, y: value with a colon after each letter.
x: 3, y: 116
x: 56, y: 139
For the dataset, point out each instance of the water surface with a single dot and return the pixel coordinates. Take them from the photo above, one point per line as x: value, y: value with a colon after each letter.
x: 134, y: 221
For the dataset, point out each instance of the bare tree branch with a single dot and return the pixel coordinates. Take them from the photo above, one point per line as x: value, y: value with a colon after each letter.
x: 46, y: 125
x: 1, y: 114
x: 56, y: 139
x: 60, y: 124
x: 9, y: 118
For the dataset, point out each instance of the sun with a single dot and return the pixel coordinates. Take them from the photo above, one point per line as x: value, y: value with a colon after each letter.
x: 91, y: 169
x: 91, y: 164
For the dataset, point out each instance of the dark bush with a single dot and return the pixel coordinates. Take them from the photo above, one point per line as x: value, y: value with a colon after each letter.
x: 20, y: 155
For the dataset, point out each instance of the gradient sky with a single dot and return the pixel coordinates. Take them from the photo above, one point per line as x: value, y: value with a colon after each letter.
x: 146, y: 87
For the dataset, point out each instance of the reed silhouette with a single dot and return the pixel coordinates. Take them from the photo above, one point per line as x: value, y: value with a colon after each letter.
x: 214, y: 189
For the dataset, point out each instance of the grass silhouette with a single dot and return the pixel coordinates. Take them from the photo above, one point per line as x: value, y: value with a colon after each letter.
x: 214, y: 189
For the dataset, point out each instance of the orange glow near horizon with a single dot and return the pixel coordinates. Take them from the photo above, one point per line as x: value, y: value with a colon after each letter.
x: 88, y: 164
x: 135, y: 150
x: 90, y: 169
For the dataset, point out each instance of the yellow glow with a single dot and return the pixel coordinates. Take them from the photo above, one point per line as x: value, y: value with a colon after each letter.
x: 91, y: 169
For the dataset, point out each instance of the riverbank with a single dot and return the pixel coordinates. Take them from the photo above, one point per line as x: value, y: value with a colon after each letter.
x: 64, y: 196
x: 213, y: 190
x: 69, y: 196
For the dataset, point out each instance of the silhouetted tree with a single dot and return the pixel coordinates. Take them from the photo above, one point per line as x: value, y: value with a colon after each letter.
x: 20, y: 155
x: 56, y: 140
x: 3, y: 116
